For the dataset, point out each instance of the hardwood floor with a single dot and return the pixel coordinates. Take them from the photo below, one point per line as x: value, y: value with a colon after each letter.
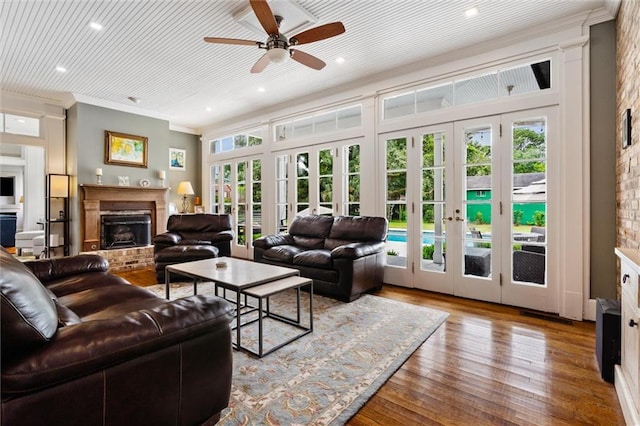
x: 489, y: 365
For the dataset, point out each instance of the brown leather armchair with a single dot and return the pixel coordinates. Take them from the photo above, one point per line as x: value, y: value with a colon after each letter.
x: 83, y: 347
x: 192, y: 237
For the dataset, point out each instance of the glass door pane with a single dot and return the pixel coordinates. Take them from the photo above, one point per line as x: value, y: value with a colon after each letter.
x: 396, y: 201
x: 529, y: 202
x: 256, y: 198
x: 241, y: 203
x: 282, y: 184
x: 477, y: 202
x: 226, y: 187
x: 302, y: 182
x: 432, y: 229
x: 352, y: 181
x: 325, y: 182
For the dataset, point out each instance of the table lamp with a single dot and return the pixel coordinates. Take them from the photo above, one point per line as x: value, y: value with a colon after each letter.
x: 184, y: 189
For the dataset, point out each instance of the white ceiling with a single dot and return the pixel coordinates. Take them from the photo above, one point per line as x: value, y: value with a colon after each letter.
x: 154, y: 50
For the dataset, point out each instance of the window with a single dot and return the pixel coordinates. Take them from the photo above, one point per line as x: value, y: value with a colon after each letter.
x: 519, y: 80
x: 19, y: 125
x: 321, y: 123
x: 235, y: 142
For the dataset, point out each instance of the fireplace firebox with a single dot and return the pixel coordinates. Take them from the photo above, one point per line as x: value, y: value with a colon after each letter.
x: 120, y: 231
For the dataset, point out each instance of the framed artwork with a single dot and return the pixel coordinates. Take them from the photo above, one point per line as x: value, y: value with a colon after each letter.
x: 626, y: 128
x: 177, y: 159
x: 198, y: 209
x: 125, y: 150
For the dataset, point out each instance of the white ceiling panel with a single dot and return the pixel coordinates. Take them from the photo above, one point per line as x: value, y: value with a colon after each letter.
x: 154, y: 50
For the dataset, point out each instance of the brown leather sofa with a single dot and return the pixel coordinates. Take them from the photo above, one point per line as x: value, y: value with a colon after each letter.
x: 192, y: 237
x: 81, y: 346
x: 343, y: 255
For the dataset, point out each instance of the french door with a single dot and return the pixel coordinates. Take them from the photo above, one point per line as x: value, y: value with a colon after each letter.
x: 323, y: 180
x: 463, y: 202
x: 236, y: 187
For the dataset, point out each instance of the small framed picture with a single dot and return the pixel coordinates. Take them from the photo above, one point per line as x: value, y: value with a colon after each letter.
x: 198, y: 209
x: 626, y: 128
x: 177, y: 159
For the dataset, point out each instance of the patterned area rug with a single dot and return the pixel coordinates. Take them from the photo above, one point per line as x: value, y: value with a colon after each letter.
x: 323, y: 378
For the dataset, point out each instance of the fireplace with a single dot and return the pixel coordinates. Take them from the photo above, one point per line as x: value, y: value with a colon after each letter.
x: 98, y: 201
x: 124, y: 230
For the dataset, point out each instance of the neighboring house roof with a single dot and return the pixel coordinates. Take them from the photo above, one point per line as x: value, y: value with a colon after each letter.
x: 483, y: 183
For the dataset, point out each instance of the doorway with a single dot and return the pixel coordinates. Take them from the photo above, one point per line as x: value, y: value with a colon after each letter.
x: 468, y: 208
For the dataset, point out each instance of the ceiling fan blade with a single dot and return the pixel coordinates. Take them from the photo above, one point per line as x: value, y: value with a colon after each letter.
x: 306, y: 59
x: 318, y: 33
x: 265, y: 16
x: 231, y: 41
x: 261, y: 64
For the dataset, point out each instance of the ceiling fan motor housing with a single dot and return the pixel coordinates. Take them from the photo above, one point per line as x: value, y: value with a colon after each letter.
x: 277, y: 41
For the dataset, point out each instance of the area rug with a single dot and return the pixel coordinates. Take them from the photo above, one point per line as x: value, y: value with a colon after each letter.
x: 323, y: 378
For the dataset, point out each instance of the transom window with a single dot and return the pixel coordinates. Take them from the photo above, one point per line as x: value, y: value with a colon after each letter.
x: 514, y: 81
x: 326, y: 121
x: 237, y: 141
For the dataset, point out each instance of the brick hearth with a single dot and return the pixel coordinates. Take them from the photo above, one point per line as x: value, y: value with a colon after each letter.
x: 127, y: 258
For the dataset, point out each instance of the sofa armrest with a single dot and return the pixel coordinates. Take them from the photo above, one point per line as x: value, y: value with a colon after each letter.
x: 222, y: 236
x: 167, y: 238
x: 50, y: 269
x: 357, y: 250
x: 269, y: 241
x: 82, y: 349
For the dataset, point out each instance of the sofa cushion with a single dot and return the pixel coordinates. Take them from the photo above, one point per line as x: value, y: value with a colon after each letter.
x: 315, y: 258
x: 308, y: 243
x: 283, y: 254
x: 28, y: 312
x: 313, y: 227
x: 66, y: 316
x: 180, y: 253
x: 359, y: 228
x: 194, y: 224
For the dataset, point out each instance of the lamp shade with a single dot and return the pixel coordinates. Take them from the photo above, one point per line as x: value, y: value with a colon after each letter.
x: 185, y: 188
x: 59, y: 186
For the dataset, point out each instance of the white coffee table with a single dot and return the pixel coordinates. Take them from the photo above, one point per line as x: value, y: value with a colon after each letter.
x: 237, y: 275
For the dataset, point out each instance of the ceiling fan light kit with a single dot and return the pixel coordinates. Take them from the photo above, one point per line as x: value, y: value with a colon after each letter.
x: 277, y: 46
x: 278, y: 55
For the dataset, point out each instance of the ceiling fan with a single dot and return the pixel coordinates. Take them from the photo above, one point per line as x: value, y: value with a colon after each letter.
x: 277, y: 46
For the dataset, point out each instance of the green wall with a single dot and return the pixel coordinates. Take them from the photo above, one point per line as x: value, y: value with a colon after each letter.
x: 86, y: 125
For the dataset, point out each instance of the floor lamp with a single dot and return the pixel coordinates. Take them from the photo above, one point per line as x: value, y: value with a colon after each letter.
x: 184, y: 189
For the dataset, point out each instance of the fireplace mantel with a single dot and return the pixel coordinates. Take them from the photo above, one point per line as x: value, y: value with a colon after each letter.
x: 97, y: 198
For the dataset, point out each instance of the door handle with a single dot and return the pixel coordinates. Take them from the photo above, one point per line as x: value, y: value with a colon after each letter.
x: 459, y: 219
x: 632, y: 323
x: 449, y: 218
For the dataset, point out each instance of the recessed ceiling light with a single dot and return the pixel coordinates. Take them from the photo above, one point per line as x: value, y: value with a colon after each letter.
x: 208, y: 109
x: 20, y: 120
x: 340, y: 60
x: 134, y: 99
x: 60, y: 68
x: 471, y: 12
x: 95, y: 26
x: 261, y: 89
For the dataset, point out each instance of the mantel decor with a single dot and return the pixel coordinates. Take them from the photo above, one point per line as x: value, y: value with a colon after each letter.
x: 125, y: 150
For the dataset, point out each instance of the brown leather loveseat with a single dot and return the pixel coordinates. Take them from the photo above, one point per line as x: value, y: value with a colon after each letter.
x: 343, y: 255
x: 81, y: 346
